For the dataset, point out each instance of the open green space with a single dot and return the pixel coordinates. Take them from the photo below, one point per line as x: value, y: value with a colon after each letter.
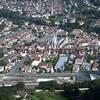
x: 45, y: 96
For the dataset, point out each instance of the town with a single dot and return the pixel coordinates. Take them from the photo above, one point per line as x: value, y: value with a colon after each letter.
x: 49, y: 49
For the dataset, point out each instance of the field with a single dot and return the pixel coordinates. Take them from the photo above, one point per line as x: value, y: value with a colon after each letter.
x: 45, y: 96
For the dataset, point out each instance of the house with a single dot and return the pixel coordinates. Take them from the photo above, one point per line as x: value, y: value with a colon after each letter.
x: 77, y: 31
x: 71, y: 58
x: 12, y: 58
x: 76, y: 68
x: 79, y: 60
x: 86, y: 66
x: 94, y: 66
x: 11, y: 52
x: 23, y: 54
x: 97, y: 22
x: 81, y: 23
x: 46, y: 66
x: 36, y: 60
x: 1, y: 68
x: 40, y: 47
x: 8, y: 66
x: 21, y: 94
x: 25, y: 68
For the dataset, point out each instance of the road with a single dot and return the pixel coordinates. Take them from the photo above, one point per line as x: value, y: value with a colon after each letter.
x: 82, y: 76
x: 16, y: 67
x: 79, y: 76
x: 31, y: 79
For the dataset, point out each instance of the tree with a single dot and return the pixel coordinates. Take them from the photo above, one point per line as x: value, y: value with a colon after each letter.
x: 1, y: 53
x: 90, y: 57
x: 3, y: 62
x: 50, y: 85
x: 68, y: 67
x: 95, y: 2
x: 15, y: 44
x: 20, y: 86
x: 28, y: 61
x: 68, y: 91
x: 34, y: 31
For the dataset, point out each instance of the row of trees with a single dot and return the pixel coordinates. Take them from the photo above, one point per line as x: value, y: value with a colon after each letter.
x: 90, y: 14
x: 18, y: 18
x: 6, y: 93
x: 95, y: 2
x: 72, y: 91
x: 1, y: 52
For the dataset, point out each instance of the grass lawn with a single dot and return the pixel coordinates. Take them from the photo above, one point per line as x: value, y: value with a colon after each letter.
x: 45, y: 96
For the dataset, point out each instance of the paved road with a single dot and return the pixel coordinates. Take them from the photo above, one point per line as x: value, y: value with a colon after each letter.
x: 82, y: 76
x: 13, y: 79
x: 15, y: 69
x: 79, y: 76
x: 44, y: 75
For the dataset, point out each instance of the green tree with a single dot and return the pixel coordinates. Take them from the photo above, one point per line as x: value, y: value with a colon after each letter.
x: 68, y: 67
x: 20, y: 86
x: 3, y: 62
x: 1, y: 53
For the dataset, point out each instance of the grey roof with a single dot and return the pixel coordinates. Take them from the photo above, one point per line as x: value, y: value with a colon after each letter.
x: 61, y: 61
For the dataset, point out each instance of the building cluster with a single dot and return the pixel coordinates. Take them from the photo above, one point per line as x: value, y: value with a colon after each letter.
x: 33, y: 7
x: 54, y: 51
